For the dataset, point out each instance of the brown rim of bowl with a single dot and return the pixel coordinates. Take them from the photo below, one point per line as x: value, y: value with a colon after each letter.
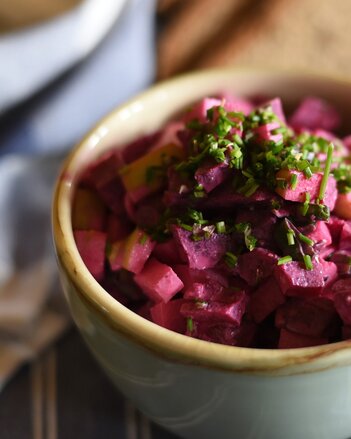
x: 162, y: 342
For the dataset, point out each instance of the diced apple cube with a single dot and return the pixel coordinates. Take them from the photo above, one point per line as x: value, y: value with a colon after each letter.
x: 137, y: 249
x: 135, y: 175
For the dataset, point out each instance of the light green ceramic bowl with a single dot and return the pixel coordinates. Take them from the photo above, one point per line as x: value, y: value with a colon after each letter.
x: 195, y: 388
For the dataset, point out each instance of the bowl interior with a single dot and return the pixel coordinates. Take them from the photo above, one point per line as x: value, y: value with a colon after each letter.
x: 144, y: 114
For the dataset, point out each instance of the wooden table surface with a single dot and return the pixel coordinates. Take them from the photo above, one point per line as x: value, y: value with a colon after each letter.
x: 65, y: 395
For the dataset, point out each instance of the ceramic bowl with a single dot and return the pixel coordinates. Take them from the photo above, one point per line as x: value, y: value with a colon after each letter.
x: 197, y: 389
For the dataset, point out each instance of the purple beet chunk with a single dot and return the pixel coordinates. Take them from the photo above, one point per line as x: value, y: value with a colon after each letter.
x: 225, y: 334
x: 342, y: 299
x: 205, y: 253
x: 212, y: 175
x: 256, y: 265
x: 312, y: 317
x: 217, y: 312
x: 295, y: 280
x: 314, y: 113
x: 262, y: 224
x: 335, y: 226
x: 277, y: 107
x: 345, y: 237
x: 265, y: 300
x: 91, y: 245
x: 342, y: 259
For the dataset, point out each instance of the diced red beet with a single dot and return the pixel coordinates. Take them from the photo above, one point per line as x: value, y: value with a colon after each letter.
x: 342, y: 259
x: 168, y: 315
x: 346, y: 332
x: 136, y: 251
x: 117, y: 227
x: 103, y: 177
x: 311, y: 185
x: 226, y: 334
x: 91, y: 245
x: 169, y: 135
x: 295, y: 280
x: 335, y: 226
x: 277, y: 107
x: 158, y: 281
x: 235, y: 104
x: 199, y: 110
x: 145, y: 310
x: 265, y: 300
x: 217, y: 312
x: 320, y: 234
x: 264, y: 132
x: 148, y: 211
x: 104, y: 169
x: 256, y: 265
x: 167, y: 252
x: 112, y: 194
x: 289, y: 340
x: 129, y: 208
x: 345, y: 236
x: 342, y: 299
x: 201, y: 284
x: 262, y: 223
x: 212, y: 175
x: 88, y: 212
x: 313, y: 317
x: 205, y: 253
x: 314, y: 113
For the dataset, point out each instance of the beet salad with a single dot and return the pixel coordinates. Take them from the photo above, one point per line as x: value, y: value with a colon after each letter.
x: 232, y: 224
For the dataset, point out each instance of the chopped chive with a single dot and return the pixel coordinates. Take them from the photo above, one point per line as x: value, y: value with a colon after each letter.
x: 230, y: 259
x: 220, y: 227
x: 143, y: 239
x: 305, y: 239
x: 186, y: 227
x: 290, y: 237
x: 308, y: 173
x: 293, y: 181
x: 284, y: 260
x: 189, y: 325
x: 306, y: 204
x: 238, y: 139
x: 324, y: 182
x: 251, y: 190
x: 308, y: 262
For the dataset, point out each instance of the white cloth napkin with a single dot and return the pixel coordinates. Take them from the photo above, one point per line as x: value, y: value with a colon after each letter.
x: 33, y: 140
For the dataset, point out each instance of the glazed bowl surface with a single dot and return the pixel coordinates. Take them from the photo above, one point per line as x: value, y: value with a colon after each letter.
x: 194, y: 388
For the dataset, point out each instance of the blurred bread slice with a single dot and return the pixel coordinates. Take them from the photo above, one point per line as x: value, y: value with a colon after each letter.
x: 301, y: 34
x: 15, y: 14
x: 190, y: 29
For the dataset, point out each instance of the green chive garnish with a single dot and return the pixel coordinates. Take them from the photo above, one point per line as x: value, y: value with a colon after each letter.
x: 284, y: 260
x: 220, y: 227
x: 189, y: 324
x: 290, y: 237
x: 306, y: 204
x: 305, y: 239
x: 308, y: 262
x: 324, y: 182
x: 307, y: 171
x: 293, y: 181
x: 230, y: 259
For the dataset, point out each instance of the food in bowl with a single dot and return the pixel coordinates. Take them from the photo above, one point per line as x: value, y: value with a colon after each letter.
x: 231, y: 224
